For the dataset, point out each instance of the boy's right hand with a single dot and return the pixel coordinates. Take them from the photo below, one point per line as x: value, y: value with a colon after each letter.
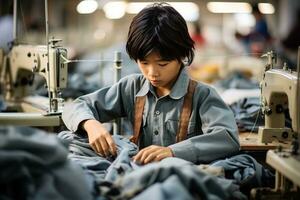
x: 99, y: 138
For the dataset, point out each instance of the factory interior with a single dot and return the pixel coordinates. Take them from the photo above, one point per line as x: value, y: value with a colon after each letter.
x: 158, y: 100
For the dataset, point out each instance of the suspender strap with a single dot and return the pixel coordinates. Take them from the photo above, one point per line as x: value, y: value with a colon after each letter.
x: 184, y: 117
x: 138, y: 117
x: 186, y: 112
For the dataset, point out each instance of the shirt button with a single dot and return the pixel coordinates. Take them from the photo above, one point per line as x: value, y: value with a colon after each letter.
x: 157, y: 112
x: 156, y: 132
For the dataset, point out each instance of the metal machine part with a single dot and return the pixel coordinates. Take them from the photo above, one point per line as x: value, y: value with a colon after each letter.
x: 279, y: 90
x: 118, y: 68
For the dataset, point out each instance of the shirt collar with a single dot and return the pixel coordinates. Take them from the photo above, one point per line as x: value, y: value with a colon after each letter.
x: 178, y: 90
x: 144, y: 89
x: 180, y: 87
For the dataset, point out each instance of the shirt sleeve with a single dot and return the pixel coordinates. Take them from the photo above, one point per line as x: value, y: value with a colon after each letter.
x: 220, y: 133
x: 103, y: 105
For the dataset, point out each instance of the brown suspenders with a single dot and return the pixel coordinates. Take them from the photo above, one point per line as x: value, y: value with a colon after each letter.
x: 186, y: 112
x: 138, y: 117
x: 184, y: 117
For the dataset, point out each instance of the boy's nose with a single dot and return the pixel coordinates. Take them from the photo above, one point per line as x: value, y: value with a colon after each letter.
x: 153, y: 72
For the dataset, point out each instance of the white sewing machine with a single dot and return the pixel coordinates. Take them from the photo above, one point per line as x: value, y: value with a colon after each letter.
x: 280, y: 90
x: 17, y: 73
x: 18, y: 69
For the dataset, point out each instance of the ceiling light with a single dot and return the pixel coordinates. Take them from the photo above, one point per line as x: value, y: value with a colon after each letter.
x: 229, y: 7
x: 266, y: 8
x: 115, y: 9
x: 244, y: 19
x: 87, y: 6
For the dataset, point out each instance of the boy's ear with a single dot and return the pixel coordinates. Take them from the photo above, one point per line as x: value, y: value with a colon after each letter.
x: 184, y: 61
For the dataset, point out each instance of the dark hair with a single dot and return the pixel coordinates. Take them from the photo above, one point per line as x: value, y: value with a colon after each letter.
x: 160, y: 28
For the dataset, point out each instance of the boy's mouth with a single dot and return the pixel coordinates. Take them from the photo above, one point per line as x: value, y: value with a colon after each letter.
x: 154, y: 81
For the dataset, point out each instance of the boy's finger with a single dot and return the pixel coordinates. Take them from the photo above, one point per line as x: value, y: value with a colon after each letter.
x: 99, y: 149
x: 112, y: 145
x: 138, y: 156
x: 105, y: 148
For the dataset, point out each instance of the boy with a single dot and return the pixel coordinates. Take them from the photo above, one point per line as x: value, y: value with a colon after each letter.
x: 172, y: 115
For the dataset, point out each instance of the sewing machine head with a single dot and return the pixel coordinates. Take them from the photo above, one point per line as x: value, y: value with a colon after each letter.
x: 279, y: 93
x: 24, y: 61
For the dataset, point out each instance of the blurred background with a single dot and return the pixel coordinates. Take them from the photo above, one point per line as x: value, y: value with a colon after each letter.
x: 93, y: 29
x: 229, y: 35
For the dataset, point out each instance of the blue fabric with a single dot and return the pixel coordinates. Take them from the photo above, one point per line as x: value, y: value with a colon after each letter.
x: 246, y: 171
x: 122, y: 164
x: 93, y: 163
x: 165, y: 190
x: 248, y: 115
x: 34, y: 165
x: 159, y: 180
x: 81, y: 145
x: 171, y: 178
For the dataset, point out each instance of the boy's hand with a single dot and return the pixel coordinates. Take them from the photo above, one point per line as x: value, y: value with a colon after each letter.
x: 153, y: 153
x: 99, y: 138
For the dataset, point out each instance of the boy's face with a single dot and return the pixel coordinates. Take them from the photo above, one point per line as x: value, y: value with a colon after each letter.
x: 161, y: 73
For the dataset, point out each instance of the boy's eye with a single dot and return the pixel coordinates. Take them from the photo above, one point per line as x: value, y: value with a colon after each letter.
x: 162, y: 64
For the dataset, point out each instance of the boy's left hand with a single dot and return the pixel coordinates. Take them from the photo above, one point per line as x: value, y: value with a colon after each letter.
x: 152, y: 153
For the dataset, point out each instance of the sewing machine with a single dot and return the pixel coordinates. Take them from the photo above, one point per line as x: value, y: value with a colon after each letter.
x: 279, y: 91
x: 18, y: 70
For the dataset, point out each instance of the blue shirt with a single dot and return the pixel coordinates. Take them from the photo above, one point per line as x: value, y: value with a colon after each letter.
x: 212, y: 131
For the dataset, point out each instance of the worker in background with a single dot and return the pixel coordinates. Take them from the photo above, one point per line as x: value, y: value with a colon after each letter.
x: 172, y: 115
x: 259, y: 39
x: 197, y: 36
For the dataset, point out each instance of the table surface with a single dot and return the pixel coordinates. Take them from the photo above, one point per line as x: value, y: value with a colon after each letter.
x: 249, y: 141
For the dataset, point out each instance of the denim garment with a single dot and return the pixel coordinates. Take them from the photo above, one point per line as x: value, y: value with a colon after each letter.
x: 79, y: 144
x: 122, y: 165
x: 212, y: 132
x: 34, y: 165
x: 174, y: 177
x: 171, y: 178
x: 248, y: 115
x: 94, y: 164
x: 246, y: 172
x: 171, y: 188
